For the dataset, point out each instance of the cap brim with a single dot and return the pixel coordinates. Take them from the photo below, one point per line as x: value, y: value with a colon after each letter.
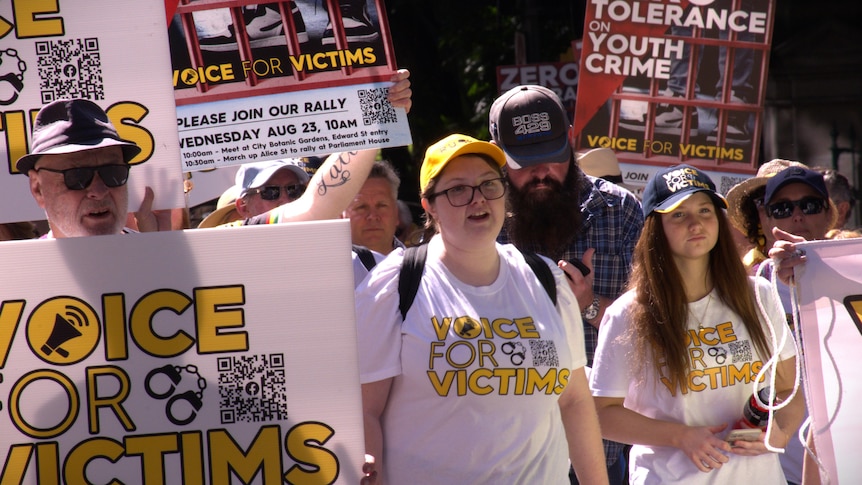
x: 557, y: 150
x: 264, y: 175
x: 673, y: 202
x: 480, y: 147
x: 220, y: 216
x: 736, y: 197
x: 130, y: 151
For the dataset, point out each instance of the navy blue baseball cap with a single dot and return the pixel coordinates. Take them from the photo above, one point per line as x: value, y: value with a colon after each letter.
x: 795, y: 175
x: 671, y: 186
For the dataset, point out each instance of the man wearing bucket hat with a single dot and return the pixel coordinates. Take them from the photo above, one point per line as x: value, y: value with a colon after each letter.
x: 558, y: 211
x: 78, y: 168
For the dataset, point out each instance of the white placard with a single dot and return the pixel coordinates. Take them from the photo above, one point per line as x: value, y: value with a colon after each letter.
x: 202, y: 356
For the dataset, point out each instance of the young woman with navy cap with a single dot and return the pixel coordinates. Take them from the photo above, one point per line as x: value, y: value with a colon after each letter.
x: 679, y: 354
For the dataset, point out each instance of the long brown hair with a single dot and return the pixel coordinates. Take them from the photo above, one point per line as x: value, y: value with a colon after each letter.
x: 659, y: 319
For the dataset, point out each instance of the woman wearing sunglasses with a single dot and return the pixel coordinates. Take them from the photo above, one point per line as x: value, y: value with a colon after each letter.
x: 483, y: 380
x: 797, y: 201
x: 678, y: 354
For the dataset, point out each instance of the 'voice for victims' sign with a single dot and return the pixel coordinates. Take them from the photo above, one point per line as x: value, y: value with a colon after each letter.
x: 195, y: 370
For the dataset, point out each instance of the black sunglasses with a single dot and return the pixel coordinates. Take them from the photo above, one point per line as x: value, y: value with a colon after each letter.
x: 273, y: 192
x: 79, y: 178
x: 784, y: 209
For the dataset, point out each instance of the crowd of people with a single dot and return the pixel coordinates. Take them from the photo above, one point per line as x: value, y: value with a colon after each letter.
x: 476, y: 341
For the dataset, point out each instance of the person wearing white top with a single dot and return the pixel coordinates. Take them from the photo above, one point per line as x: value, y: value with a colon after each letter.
x: 483, y: 381
x: 679, y: 353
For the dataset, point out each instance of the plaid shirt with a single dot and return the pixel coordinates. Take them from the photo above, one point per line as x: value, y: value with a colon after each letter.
x: 612, y: 222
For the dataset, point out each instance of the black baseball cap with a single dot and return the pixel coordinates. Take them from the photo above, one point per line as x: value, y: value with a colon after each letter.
x: 72, y: 125
x: 671, y: 186
x: 530, y: 124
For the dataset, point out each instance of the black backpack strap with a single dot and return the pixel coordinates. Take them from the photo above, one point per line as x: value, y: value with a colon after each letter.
x: 543, y: 272
x: 414, y: 264
x: 365, y: 256
x: 410, y: 276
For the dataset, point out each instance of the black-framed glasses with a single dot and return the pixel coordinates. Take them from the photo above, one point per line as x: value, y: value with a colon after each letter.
x: 784, y: 209
x: 273, y: 192
x: 79, y: 178
x: 461, y: 195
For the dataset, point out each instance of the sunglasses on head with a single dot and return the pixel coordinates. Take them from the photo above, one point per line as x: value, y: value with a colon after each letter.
x: 79, y: 178
x: 784, y: 209
x: 273, y: 192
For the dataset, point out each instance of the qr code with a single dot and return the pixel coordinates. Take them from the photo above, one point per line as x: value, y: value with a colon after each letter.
x: 741, y: 351
x: 70, y: 68
x: 251, y: 388
x: 544, y: 353
x: 727, y: 183
x: 375, y: 106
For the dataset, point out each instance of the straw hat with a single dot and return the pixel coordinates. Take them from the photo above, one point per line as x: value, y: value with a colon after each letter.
x: 740, y: 192
x: 225, y: 209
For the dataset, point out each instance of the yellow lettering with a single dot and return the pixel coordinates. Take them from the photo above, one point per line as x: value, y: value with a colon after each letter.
x: 211, y: 317
x: 75, y: 467
x: 141, y: 324
x: 539, y: 382
x: 725, y: 332
x: 116, y: 338
x: 497, y: 326
x: 442, y: 387
x: 441, y: 329
x: 30, y: 20
x: 10, y: 317
x: 527, y: 327
x: 303, y: 444
x: 151, y: 449
x: 474, y: 382
x: 263, y: 455
x: 65, y: 422
x: 127, y: 117
x: 114, y: 403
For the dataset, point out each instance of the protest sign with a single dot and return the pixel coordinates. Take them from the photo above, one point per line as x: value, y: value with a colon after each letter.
x: 830, y: 298
x: 559, y: 77
x: 174, y: 358
x: 258, y: 82
x: 65, y: 49
x: 666, y: 82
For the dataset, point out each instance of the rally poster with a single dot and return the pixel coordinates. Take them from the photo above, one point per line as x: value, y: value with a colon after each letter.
x: 668, y: 82
x: 86, y: 49
x: 830, y: 299
x: 205, y: 367
x: 258, y: 81
x: 559, y: 77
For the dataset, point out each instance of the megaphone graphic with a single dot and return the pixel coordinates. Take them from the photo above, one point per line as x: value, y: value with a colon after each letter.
x: 63, y: 332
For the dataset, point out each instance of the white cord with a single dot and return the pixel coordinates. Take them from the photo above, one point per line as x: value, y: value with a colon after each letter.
x: 772, y: 364
x: 801, y: 375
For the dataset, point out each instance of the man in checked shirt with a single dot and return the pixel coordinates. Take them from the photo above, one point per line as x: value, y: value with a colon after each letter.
x: 590, y: 226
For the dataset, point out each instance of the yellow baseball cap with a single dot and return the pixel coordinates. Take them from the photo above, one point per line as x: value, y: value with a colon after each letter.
x: 439, y: 154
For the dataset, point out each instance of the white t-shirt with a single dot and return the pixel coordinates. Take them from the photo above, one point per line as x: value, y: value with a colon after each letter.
x: 724, y: 367
x: 359, y: 269
x: 477, y: 372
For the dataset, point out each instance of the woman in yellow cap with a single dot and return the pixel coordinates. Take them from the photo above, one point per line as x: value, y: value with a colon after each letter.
x: 482, y: 379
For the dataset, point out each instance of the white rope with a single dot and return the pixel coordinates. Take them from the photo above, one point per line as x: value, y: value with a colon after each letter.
x: 801, y: 375
x: 771, y: 365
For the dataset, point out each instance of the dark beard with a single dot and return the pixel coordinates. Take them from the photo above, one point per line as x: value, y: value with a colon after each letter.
x: 546, y: 222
